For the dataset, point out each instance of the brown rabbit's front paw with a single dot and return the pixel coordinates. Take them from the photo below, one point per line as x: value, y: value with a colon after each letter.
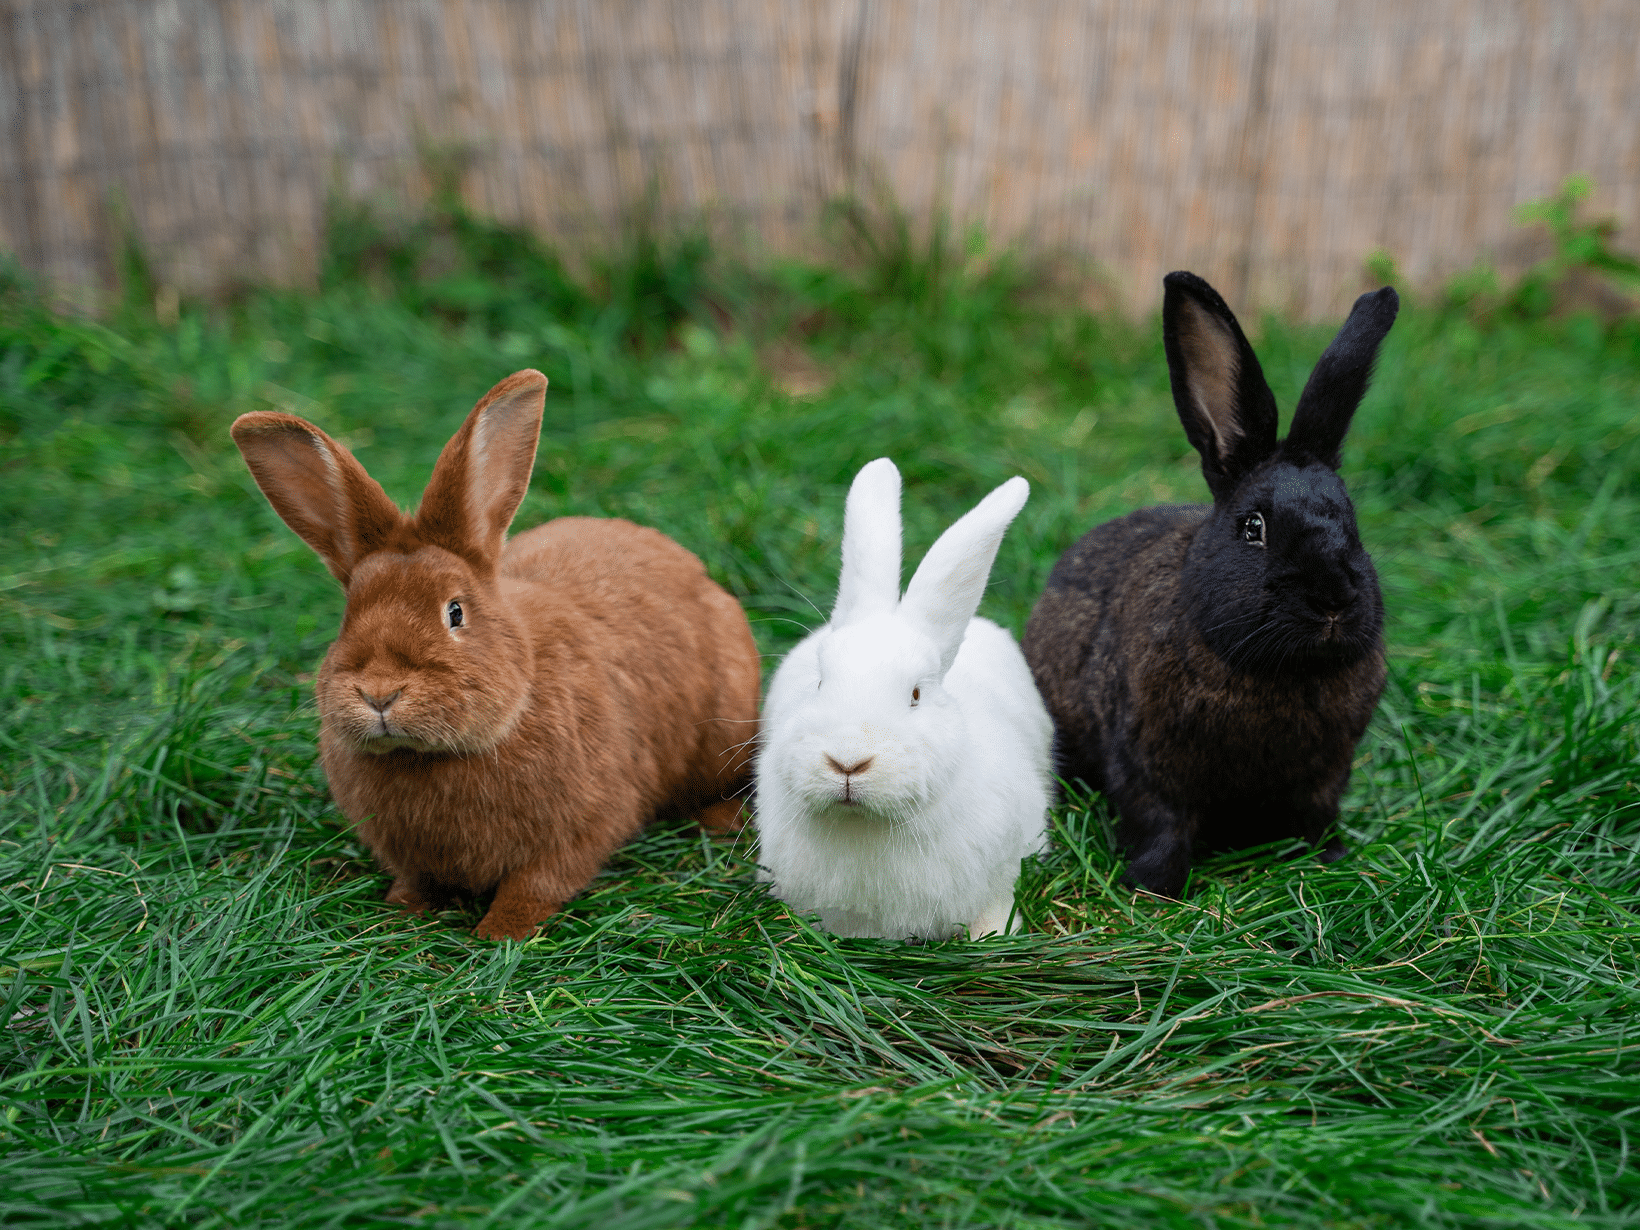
x: 406, y: 896
x: 511, y: 924
x: 513, y: 914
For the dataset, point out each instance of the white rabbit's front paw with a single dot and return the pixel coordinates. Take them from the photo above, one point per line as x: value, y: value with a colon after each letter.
x: 993, y: 920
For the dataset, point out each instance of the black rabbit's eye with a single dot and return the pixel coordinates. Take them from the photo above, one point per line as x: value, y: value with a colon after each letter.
x: 1252, y: 529
x: 916, y: 695
x: 453, y: 614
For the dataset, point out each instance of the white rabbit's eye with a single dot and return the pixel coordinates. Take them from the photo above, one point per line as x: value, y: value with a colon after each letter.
x: 452, y: 614
x: 1252, y: 529
x: 916, y: 695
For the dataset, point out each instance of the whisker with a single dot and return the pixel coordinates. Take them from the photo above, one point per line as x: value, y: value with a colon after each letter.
x: 803, y: 596
x: 782, y: 619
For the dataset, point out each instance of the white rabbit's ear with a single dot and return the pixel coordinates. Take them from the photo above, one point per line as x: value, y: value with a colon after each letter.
x: 945, y: 592
x: 870, y: 582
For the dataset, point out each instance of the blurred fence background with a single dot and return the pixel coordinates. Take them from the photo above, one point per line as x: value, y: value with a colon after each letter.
x: 1271, y: 146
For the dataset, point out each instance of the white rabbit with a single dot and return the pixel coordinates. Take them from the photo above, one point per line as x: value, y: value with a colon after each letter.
x: 905, y: 768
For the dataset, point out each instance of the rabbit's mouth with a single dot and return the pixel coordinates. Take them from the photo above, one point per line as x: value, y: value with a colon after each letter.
x: 851, y: 808
x: 379, y: 743
x: 841, y: 795
x: 1334, y: 635
x: 379, y: 735
x: 1339, y: 635
x: 850, y: 802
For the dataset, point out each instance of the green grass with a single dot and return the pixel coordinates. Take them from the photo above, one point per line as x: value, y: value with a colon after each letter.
x: 214, y: 1020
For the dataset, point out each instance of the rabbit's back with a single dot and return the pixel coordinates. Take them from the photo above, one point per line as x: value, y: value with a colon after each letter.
x: 677, y: 672
x: 1005, y: 715
x: 1110, y: 609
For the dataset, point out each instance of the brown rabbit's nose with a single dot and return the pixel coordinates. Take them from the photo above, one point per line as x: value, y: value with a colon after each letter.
x: 848, y: 770
x: 380, y: 703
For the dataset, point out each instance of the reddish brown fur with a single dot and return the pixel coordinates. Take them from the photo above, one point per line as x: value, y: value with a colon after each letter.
x: 600, y: 676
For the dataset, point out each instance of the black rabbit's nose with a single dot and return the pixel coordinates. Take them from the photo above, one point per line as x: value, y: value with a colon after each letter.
x: 848, y: 770
x: 380, y: 704
x: 1333, y: 601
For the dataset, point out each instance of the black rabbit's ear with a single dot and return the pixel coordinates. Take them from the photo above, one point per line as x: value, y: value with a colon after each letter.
x: 1339, y: 381
x: 1228, y: 411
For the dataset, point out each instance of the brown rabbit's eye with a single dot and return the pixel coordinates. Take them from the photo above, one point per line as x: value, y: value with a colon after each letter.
x: 916, y: 695
x: 453, y: 614
x: 1252, y: 529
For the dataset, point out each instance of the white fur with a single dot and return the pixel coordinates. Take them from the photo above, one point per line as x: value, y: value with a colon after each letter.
x: 958, y: 785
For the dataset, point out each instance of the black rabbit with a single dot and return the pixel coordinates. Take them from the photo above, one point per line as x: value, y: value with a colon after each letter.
x: 1211, y: 669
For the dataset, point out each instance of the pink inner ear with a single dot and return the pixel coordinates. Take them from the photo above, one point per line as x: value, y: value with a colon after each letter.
x: 317, y: 487
x: 947, y: 587
x: 501, y: 460
x: 1210, y: 353
x: 483, y: 473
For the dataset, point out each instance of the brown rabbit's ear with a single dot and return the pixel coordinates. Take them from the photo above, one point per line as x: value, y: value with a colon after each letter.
x: 317, y: 487
x: 482, y: 474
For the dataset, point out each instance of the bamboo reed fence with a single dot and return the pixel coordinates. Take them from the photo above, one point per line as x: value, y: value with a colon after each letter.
x: 1269, y: 145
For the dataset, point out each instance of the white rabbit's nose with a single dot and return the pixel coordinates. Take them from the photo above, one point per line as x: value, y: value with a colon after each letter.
x: 380, y: 703
x: 848, y: 770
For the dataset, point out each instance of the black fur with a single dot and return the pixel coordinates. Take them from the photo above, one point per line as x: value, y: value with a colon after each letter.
x: 1214, y: 689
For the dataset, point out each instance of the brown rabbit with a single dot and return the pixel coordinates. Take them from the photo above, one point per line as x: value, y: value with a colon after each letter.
x: 504, y: 714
